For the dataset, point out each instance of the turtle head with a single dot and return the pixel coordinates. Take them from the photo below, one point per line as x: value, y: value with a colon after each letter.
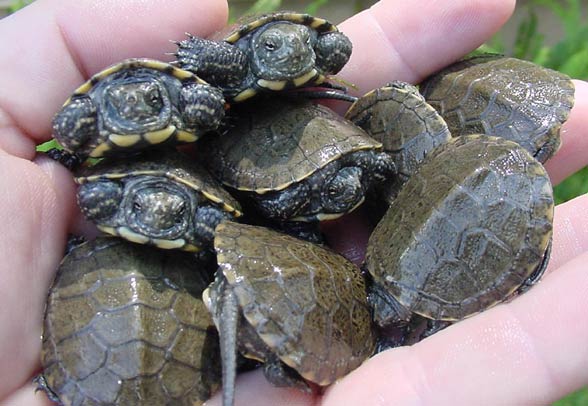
x: 282, y: 51
x: 136, y: 106
x: 156, y: 209
x: 344, y: 191
x: 333, y: 50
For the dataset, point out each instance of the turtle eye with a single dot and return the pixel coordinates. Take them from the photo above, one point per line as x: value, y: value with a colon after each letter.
x: 137, y: 206
x: 180, y: 213
x: 153, y: 96
x: 270, y: 45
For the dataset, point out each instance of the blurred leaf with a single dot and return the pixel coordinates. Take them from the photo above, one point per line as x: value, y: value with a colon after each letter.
x: 18, y: 4
x: 264, y: 6
x: 46, y: 146
x: 573, y: 186
x: 314, y: 6
x: 577, y: 65
x: 579, y: 398
x: 528, y: 40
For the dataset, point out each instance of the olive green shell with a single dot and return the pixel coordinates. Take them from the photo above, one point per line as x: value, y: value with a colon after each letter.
x: 100, y: 146
x: 506, y: 97
x: 307, y: 303
x: 125, y: 325
x: 248, y: 24
x: 466, y: 230
x: 169, y: 165
x: 278, y: 143
x: 408, y: 127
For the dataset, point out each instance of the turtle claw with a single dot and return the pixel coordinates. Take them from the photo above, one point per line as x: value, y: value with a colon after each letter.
x: 67, y: 159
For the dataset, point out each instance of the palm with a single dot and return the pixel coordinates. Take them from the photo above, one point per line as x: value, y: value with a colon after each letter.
x: 537, y: 341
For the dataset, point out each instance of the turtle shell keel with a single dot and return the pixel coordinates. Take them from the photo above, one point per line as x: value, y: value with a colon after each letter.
x: 301, y: 302
x: 125, y: 325
x: 505, y: 97
x: 468, y: 229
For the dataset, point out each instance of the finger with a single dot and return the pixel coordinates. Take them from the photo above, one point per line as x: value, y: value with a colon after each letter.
x: 38, y: 200
x: 73, y: 39
x: 408, y: 40
x: 34, y: 220
x: 570, y: 234
x: 530, y: 351
x: 349, y: 235
x: 27, y: 396
x: 572, y: 155
x: 253, y: 389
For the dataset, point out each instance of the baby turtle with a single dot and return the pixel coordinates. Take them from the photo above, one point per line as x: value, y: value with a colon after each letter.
x: 299, y: 308
x: 158, y: 198
x: 270, y: 52
x: 398, y: 116
x: 135, y: 104
x: 296, y: 161
x: 125, y: 325
x: 471, y: 228
x: 507, y: 97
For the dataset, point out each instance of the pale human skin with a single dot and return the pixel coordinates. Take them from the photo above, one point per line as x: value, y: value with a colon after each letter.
x: 532, y: 350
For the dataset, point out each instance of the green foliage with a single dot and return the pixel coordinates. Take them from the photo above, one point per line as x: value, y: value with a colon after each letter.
x: 568, y: 55
x: 46, y: 146
x: 17, y: 5
x: 267, y: 6
x: 579, y: 398
x: 264, y: 6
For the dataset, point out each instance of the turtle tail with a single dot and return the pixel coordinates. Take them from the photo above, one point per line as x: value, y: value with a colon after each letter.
x: 229, y: 313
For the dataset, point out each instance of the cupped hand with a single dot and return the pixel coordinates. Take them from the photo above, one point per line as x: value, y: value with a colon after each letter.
x: 530, y: 351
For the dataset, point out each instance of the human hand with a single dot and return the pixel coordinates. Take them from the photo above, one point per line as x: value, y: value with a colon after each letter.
x: 48, y: 49
x: 537, y: 341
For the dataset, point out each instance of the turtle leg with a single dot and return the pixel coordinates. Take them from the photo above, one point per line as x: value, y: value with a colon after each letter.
x: 333, y: 50
x: 205, y: 221
x: 337, y: 94
x: 387, y: 311
x: 202, y: 106
x: 218, y: 63
x: 537, y: 273
x: 280, y: 375
x: 73, y: 241
x: 67, y: 159
x: 548, y: 149
x: 41, y: 383
x: 305, y: 230
x: 284, y: 204
x: 76, y: 123
x: 420, y: 328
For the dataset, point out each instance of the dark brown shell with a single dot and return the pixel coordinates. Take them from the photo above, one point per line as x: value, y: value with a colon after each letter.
x: 466, y: 230
x: 308, y: 304
x: 125, y: 325
x: 408, y: 127
x: 279, y: 143
x: 506, y: 97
